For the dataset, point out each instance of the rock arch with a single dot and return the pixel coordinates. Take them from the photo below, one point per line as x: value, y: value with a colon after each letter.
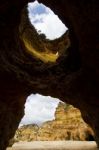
x: 74, y: 78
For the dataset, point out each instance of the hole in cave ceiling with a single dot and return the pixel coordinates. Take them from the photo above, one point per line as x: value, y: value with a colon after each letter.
x: 45, y: 21
x: 43, y: 33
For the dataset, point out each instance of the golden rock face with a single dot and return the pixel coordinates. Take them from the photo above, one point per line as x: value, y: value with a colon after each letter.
x: 45, y: 56
x: 68, y: 125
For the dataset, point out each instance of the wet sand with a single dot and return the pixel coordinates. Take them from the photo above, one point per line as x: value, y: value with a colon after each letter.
x: 54, y: 145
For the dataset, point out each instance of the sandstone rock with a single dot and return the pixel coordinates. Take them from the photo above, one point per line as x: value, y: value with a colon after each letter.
x: 74, y: 78
x: 26, y: 133
x: 68, y: 125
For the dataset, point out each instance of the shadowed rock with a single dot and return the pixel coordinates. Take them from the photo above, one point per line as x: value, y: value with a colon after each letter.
x: 73, y: 78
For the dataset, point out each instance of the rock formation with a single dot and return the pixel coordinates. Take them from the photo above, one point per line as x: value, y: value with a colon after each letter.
x: 68, y: 125
x: 73, y: 78
x: 26, y: 133
x: 47, y: 50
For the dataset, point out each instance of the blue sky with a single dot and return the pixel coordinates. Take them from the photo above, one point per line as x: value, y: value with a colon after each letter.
x: 44, y: 19
x: 36, y: 8
x: 39, y: 109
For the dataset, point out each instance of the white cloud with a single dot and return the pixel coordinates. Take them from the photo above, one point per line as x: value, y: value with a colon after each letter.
x: 39, y: 109
x: 46, y: 21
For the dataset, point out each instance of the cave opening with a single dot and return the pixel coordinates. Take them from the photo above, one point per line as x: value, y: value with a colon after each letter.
x: 52, y: 44
x: 45, y: 21
x: 22, y: 73
x: 49, y: 119
x: 44, y: 35
x: 39, y: 109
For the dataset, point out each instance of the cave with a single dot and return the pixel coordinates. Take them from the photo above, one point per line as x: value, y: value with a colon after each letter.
x: 51, y: 120
x: 73, y: 77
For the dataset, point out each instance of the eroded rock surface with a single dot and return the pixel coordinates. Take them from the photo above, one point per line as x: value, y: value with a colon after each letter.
x: 68, y: 125
x: 74, y: 78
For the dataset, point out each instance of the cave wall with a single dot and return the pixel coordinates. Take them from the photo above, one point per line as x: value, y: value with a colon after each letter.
x: 74, y: 79
x: 12, y: 91
x: 82, y: 19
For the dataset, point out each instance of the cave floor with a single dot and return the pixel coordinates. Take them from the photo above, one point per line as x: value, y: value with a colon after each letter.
x: 54, y: 145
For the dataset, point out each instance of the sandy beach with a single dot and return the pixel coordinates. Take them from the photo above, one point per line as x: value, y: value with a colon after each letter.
x: 54, y: 145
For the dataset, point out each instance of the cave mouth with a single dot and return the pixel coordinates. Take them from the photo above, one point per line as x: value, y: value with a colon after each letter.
x: 44, y: 35
x: 39, y: 109
x: 49, y: 119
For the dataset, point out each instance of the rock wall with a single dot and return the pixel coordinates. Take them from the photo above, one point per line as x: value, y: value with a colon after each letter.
x: 68, y: 125
x: 74, y: 78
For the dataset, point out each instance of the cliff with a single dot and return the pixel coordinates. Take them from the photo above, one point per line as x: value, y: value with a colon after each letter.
x: 68, y: 125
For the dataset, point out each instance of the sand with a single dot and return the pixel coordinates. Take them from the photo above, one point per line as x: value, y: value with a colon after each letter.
x: 54, y: 145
